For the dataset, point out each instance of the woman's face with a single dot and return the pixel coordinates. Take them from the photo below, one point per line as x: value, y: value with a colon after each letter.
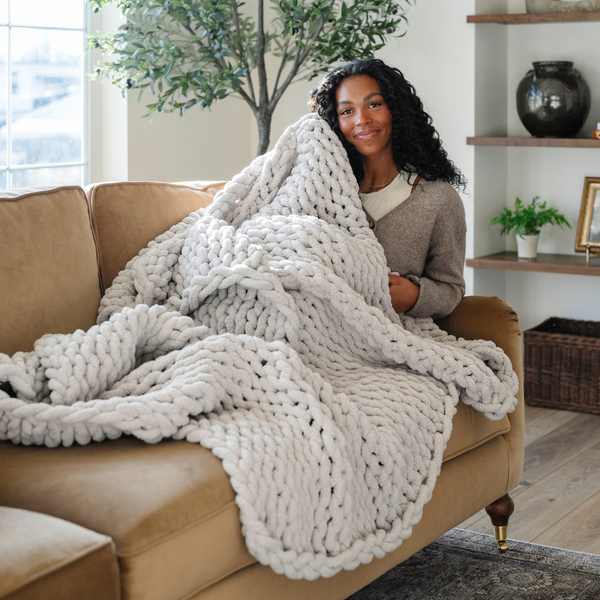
x: 363, y: 116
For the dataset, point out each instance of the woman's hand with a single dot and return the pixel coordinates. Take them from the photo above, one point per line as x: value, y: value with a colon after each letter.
x: 404, y: 293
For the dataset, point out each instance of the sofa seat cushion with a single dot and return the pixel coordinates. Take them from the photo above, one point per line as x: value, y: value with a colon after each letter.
x: 169, y: 507
x: 489, y: 318
x: 128, y: 215
x: 45, y: 557
x: 49, y: 280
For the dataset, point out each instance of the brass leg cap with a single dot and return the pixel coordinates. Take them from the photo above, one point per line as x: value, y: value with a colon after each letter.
x: 500, y: 533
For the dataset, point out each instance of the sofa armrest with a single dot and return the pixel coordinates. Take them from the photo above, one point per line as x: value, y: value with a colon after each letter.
x: 489, y: 318
x: 45, y: 557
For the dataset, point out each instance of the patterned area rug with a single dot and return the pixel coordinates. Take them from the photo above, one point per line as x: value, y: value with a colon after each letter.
x: 463, y: 565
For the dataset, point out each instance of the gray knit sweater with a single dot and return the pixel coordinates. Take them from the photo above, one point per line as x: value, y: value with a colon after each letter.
x: 424, y: 240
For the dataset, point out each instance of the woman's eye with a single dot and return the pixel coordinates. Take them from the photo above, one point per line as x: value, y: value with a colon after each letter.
x: 376, y: 104
x: 346, y: 111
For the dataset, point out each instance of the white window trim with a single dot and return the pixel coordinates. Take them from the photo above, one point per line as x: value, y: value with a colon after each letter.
x: 84, y: 163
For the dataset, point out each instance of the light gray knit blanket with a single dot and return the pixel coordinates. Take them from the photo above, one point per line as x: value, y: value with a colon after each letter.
x: 262, y: 328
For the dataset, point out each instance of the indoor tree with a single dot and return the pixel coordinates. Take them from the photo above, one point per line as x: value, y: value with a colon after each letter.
x: 188, y: 52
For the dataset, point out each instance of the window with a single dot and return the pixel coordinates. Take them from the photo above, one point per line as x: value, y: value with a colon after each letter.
x: 42, y: 93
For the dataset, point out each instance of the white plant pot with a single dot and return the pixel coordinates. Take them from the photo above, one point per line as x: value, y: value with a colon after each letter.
x: 527, y: 246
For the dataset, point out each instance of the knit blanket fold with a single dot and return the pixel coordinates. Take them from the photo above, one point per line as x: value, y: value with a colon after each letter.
x: 262, y: 328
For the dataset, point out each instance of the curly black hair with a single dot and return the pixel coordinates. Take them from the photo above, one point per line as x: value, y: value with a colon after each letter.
x: 416, y: 146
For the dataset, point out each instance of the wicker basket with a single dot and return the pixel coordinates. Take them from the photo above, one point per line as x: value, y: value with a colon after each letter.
x: 562, y: 365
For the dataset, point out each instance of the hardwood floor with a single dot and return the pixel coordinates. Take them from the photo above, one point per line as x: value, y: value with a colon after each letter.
x: 557, y: 502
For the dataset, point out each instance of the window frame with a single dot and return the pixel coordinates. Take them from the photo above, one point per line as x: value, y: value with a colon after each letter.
x: 85, y: 68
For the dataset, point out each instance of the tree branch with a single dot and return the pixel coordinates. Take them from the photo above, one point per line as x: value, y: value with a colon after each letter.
x: 284, y: 60
x: 222, y: 66
x: 299, y: 58
x: 236, y: 18
x: 260, y: 56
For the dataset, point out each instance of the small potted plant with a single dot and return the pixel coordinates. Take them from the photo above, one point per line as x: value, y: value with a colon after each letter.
x: 525, y: 222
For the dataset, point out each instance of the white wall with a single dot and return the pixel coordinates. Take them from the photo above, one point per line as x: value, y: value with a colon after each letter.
x: 108, y: 127
x: 201, y: 145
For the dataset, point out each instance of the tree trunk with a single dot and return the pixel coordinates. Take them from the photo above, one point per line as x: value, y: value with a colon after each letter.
x: 263, y: 121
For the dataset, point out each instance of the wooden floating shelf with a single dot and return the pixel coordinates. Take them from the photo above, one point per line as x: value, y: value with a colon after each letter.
x: 534, y: 142
x: 568, y: 264
x: 549, y: 17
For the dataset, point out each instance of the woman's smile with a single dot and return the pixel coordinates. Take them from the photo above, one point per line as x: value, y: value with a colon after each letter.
x: 367, y: 135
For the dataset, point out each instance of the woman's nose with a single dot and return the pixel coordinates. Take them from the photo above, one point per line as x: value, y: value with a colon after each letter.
x: 362, y: 117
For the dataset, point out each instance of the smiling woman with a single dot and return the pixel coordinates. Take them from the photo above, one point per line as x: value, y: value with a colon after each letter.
x: 366, y: 122
x: 41, y: 93
x: 405, y: 182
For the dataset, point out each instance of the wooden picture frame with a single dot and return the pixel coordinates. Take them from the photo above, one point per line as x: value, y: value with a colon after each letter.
x: 587, y: 238
x: 542, y: 6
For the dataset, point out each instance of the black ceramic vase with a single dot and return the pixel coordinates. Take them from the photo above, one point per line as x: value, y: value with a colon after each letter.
x: 553, y: 99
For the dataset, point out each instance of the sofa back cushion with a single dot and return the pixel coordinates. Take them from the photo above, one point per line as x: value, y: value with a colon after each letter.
x: 48, y: 271
x: 128, y: 215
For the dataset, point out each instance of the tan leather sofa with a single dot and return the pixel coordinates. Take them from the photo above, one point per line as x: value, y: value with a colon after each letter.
x: 123, y: 519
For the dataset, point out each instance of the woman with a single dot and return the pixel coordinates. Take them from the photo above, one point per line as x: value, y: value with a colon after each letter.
x: 405, y: 182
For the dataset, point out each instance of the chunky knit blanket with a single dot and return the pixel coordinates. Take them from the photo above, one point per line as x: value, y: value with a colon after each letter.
x: 262, y: 328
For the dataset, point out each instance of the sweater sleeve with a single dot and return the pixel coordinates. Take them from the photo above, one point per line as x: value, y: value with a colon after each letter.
x: 442, y: 282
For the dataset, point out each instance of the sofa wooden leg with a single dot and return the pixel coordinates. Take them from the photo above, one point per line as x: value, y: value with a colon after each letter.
x: 500, y: 512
